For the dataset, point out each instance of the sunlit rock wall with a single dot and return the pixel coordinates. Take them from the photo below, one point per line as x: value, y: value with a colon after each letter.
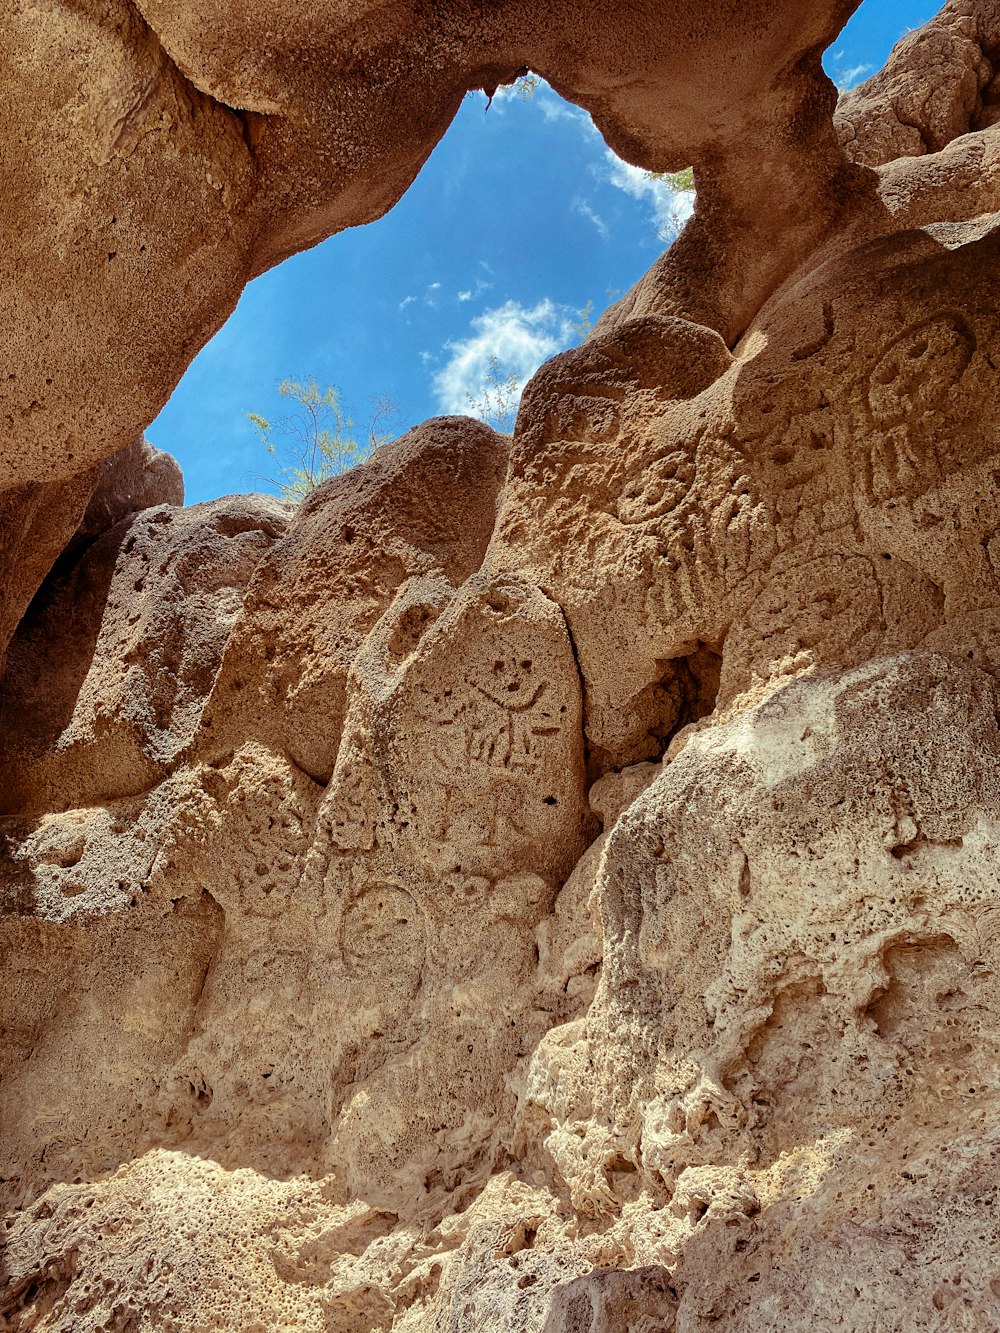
x: 549, y: 884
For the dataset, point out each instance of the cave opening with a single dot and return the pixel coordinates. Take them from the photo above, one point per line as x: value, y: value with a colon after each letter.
x: 521, y: 228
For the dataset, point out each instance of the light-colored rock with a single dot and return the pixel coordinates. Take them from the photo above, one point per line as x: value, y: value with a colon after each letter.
x: 798, y: 504
x: 423, y: 504
x: 546, y: 889
x: 794, y: 1011
x: 107, y: 677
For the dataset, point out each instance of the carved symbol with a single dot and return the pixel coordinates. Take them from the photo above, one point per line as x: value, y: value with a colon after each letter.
x: 382, y: 937
x: 919, y: 367
x: 659, y: 489
x: 912, y: 379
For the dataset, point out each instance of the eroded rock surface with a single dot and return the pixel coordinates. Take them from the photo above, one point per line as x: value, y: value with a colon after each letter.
x: 545, y: 885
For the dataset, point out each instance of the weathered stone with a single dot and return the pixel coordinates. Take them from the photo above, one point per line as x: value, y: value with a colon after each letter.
x: 109, y: 672
x: 137, y: 477
x: 422, y: 505
x: 552, y: 887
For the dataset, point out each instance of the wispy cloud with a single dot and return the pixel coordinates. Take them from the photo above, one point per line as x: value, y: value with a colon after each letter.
x: 465, y: 296
x: 845, y: 79
x: 552, y: 107
x: 849, y: 78
x: 546, y: 101
x: 520, y: 337
x: 580, y: 205
x: 670, y: 208
x: 407, y: 300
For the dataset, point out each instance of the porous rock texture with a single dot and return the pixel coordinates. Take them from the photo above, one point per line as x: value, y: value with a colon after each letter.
x: 543, y: 885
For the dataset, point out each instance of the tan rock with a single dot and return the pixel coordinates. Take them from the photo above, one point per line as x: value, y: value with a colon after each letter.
x: 36, y: 522
x: 137, y: 477
x: 935, y: 87
x: 551, y: 893
x: 796, y: 507
x: 792, y: 1014
x: 108, y: 676
x: 41, y: 523
x: 277, y: 128
x: 422, y: 504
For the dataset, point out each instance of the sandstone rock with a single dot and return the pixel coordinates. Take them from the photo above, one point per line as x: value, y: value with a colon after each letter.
x: 359, y: 909
x: 544, y: 893
x: 137, y: 477
x: 797, y: 506
x: 36, y: 522
x: 793, y: 1007
x: 276, y: 128
x: 422, y: 504
x: 40, y: 524
x: 96, y: 1006
x: 108, y: 675
x: 143, y: 1238
x: 369, y: 863
x: 938, y: 84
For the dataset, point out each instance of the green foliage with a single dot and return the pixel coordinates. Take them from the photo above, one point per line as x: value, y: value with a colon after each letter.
x: 526, y: 85
x: 681, y: 185
x: 316, y: 440
x: 583, y: 325
x: 678, y: 181
x: 497, y: 401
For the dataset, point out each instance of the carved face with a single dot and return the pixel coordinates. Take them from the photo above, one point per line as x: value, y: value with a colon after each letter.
x: 800, y: 500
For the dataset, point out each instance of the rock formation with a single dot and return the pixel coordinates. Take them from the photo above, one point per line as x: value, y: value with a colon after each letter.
x: 547, y: 885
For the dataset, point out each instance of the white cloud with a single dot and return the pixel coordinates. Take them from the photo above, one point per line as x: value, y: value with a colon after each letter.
x: 670, y: 208
x: 497, y: 104
x: 846, y: 79
x: 544, y: 99
x: 520, y: 337
x: 465, y: 296
x: 407, y: 300
x: 849, y: 77
x: 585, y: 210
x: 552, y: 107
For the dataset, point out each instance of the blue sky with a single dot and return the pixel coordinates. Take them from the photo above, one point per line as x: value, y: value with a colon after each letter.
x: 520, y: 218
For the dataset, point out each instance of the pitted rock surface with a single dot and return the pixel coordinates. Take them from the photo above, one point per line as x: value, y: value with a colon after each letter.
x: 545, y: 884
